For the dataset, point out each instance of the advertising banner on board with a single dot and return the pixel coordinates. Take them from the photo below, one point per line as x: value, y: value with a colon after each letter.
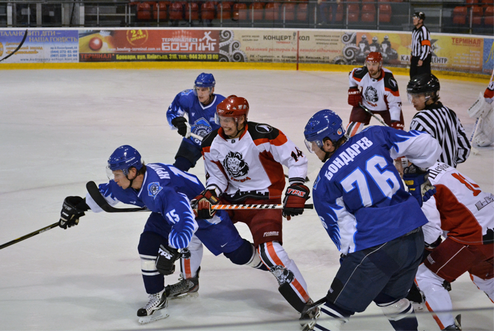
x: 48, y: 46
x: 462, y: 53
x: 148, y: 45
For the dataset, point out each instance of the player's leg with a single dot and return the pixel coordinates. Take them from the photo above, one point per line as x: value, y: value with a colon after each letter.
x: 482, y: 276
x: 190, y: 266
x: 400, y: 258
x: 154, y: 284
x: 266, y: 228
x: 187, y: 156
x: 358, y: 119
x: 447, y: 262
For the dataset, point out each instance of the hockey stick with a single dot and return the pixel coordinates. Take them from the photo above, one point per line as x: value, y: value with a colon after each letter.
x: 196, y: 136
x: 372, y: 114
x: 29, y: 235
x: 18, y: 47
x: 94, y: 192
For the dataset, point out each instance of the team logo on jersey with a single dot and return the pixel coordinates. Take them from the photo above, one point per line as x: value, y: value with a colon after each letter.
x: 263, y: 128
x: 201, y: 128
x: 153, y: 189
x: 235, y: 165
x: 370, y: 94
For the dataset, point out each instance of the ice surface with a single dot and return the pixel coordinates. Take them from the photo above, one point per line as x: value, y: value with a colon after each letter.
x: 57, y: 130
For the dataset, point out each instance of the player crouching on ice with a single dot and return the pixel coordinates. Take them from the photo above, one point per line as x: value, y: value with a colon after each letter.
x: 172, y: 231
x: 482, y: 110
x: 373, y: 221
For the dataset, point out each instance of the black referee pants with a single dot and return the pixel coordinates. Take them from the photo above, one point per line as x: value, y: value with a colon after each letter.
x: 425, y: 68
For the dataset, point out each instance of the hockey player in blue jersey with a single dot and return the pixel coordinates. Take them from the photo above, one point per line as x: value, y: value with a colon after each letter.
x: 374, y: 222
x: 171, y: 230
x: 199, y: 105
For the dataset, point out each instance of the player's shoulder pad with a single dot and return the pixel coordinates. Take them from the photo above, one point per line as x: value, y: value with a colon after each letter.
x: 359, y: 73
x: 262, y: 130
x: 208, y: 140
x: 186, y: 92
x: 390, y: 81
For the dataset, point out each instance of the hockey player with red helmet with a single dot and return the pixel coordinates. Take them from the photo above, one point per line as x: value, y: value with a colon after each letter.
x: 376, y: 89
x: 244, y: 165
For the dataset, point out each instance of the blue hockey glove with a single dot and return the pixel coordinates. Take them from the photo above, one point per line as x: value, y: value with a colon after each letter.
x: 417, y: 181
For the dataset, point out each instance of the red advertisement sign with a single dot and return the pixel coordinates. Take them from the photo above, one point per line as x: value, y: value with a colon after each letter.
x: 148, y: 45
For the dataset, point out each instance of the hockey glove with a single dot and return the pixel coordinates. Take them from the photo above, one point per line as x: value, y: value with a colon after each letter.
x: 72, y: 209
x: 354, y: 96
x: 397, y: 125
x: 183, y: 127
x: 204, y: 202
x: 165, y: 262
x: 294, y: 201
x: 417, y: 181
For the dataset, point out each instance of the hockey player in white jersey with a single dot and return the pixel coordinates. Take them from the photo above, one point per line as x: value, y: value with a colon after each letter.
x: 171, y: 230
x: 482, y: 110
x: 464, y: 214
x: 244, y: 165
x: 376, y: 89
x: 367, y: 212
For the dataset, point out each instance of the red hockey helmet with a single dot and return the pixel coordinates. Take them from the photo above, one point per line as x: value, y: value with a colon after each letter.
x: 233, y: 106
x: 374, y: 57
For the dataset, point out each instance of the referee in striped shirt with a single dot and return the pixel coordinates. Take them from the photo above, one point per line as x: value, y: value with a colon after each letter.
x: 420, y: 62
x: 437, y: 120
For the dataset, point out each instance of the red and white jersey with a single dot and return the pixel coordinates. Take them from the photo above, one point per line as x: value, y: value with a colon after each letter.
x: 252, y: 165
x: 459, y: 208
x: 489, y: 92
x: 378, y: 94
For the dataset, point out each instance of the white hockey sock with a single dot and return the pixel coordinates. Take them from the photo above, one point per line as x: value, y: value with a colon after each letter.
x: 436, y: 296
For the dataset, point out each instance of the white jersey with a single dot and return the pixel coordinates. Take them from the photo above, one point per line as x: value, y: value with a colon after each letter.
x: 459, y: 208
x: 251, y: 165
x: 378, y: 94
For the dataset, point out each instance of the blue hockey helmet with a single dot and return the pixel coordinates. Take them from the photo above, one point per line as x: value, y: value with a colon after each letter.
x: 205, y: 80
x: 323, y: 124
x: 124, y: 158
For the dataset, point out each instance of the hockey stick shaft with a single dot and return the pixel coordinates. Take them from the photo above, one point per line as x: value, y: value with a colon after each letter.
x: 372, y: 114
x: 94, y: 192
x: 29, y: 235
x: 196, y: 136
x: 18, y: 47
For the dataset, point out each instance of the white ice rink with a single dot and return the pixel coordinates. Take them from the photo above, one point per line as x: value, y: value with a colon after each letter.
x: 58, y: 128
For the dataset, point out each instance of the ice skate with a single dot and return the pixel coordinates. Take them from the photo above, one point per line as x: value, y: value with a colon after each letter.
x: 456, y: 326
x: 184, y: 287
x: 154, y: 309
x: 308, y: 318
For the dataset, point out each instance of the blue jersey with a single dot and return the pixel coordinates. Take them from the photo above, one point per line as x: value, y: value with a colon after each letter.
x: 201, y: 118
x: 167, y: 191
x: 359, y: 195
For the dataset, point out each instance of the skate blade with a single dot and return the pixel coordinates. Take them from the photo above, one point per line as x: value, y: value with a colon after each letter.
x: 156, y: 316
x: 186, y: 296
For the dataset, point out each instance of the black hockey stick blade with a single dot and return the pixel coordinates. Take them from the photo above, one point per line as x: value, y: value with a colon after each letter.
x: 29, y: 235
x: 18, y: 47
x: 312, y: 305
x: 100, y: 200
